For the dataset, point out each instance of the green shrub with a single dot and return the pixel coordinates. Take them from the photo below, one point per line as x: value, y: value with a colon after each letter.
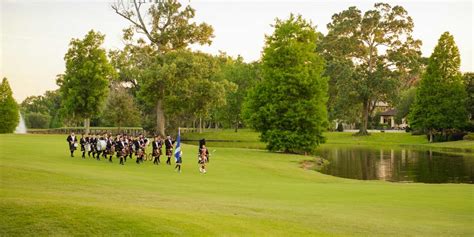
x: 469, y: 137
x: 448, y: 135
x: 37, y: 120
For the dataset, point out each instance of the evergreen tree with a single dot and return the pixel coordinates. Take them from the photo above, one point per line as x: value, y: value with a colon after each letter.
x: 441, y: 97
x: 289, y: 106
x: 469, y: 81
x: 84, y: 86
x: 9, y: 116
x: 121, y: 109
x: 404, y: 103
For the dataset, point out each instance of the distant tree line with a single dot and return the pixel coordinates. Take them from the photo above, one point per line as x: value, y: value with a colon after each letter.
x: 304, y: 82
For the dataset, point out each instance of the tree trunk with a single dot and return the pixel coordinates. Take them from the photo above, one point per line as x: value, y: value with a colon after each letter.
x: 430, y: 135
x: 236, y: 125
x: 87, y: 123
x: 364, y: 119
x: 160, y: 118
x: 200, y: 125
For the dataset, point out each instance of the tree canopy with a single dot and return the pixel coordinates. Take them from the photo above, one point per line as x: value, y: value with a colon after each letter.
x: 121, y: 109
x: 289, y: 106
x: 245, y: 76
x: 441, y: 97
x: 188, y: 84
x: 370, y: 55
x: 9, y: 115
x: 84, y: 85
x: 170, y: 28
x: 45, y: 110
x: 469, y: 81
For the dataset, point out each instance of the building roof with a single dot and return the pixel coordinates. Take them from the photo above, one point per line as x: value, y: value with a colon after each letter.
x: 390, y: 112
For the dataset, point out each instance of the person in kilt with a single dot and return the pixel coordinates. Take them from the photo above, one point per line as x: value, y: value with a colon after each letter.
x: 169, y: 149
x: 72, y: 142
x: 83, y: 141
x: 203, y: 159
x: 157, y: 145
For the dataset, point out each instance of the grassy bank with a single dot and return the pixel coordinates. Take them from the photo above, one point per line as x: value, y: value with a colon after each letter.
x: 249, y: 139
x: 245, y: 193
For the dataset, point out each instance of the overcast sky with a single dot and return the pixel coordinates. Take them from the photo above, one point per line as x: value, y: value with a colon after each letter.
x: 35, y: 33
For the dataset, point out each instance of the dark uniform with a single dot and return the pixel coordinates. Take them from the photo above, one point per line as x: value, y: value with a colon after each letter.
x: 130, y: 149
x: 93, y: 142
x: 169, y: 150
x: 140, y: 149
x: 83, y: 142
x: 71, y: 139
x: 120, y: 147
x: 110, y: 148
x: 90, y: 147
x: 156, y: 145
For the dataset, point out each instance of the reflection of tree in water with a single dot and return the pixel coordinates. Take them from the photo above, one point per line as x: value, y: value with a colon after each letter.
x: 435, y: 167
x: 351, y: 163
x: 400, y: 165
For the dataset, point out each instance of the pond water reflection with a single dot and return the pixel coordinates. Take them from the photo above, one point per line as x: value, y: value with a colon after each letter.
x: 398, y: 165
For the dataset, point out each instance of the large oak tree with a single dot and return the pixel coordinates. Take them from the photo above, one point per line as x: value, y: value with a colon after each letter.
x: 163, y: 27
x: 370, y: 55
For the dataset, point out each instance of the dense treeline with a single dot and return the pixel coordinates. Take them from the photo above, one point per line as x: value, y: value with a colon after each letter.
x: 305, y: 83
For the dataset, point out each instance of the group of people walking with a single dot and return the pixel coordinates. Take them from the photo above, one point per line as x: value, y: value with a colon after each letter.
x: 124, y: 146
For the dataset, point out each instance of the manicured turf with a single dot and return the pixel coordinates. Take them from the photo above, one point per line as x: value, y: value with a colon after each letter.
x: 245, y: 193
x: 246, y: 138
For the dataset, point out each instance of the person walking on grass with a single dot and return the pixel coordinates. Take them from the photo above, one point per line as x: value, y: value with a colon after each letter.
x: 169, y: 149
x: 140, y: 145
x: 110, y: 148
x: 156, y: 146
x: 72, y: 141
x: 177, y: 152
x: 120, y: 148
x: 83, y: 141
x: 203, y: 156
x: 91, y: 146
x: 94, y: 145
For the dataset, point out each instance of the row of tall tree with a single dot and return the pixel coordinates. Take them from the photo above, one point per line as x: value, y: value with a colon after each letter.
x: 304, y: 79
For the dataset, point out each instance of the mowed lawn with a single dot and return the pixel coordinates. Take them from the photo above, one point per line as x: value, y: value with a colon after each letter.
x: 245, y: 193
x: 246, y: 138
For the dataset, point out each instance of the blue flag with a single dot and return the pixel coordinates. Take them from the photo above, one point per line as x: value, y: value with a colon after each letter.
x: 177, y: 151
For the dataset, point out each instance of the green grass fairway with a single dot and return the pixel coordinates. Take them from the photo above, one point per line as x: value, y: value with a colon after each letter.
x: 245, y: 193
x: 246, y: 138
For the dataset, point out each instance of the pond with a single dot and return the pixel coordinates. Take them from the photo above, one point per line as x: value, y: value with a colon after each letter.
x: 398, y: 164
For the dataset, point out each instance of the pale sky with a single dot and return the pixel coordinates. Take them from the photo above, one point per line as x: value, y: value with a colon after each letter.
x: 35, y: 33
